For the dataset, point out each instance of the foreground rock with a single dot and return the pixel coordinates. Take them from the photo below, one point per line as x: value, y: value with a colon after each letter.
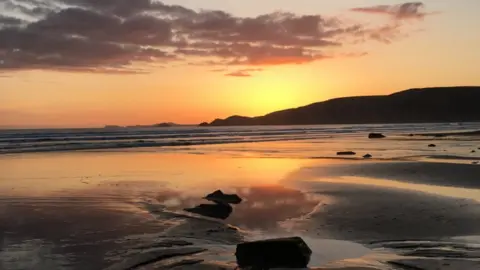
x: 376, y: 136
x: 346, y: 153
x: 274, y: 253
x: 432, y: 145
x: 367, y: 156
x: 219, y: 196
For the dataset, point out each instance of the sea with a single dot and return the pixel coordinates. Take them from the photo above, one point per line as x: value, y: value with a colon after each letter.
x: 52, y: 140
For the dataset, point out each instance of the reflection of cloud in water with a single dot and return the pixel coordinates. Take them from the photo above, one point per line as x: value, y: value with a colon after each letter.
x: 83, y: 226
x: 264, y: 207
x: 31, y: 254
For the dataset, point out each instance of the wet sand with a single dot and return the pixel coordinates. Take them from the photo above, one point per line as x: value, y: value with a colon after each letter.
x: 124, y: 211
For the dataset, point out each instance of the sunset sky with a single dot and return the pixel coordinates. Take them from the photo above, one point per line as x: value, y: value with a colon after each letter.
x: 85, y: 63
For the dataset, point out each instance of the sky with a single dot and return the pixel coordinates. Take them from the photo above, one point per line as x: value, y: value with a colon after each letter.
x: 89, y: 63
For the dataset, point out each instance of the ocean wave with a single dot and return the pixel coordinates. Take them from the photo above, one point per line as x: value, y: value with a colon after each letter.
x: 22, y: 141
x: 139, y: 143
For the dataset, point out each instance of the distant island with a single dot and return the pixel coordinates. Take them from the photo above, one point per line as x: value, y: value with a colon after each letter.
x: 160, y: 125
x: 439, y: 104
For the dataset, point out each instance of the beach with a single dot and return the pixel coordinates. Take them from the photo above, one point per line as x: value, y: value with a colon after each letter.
x: 115, y: 199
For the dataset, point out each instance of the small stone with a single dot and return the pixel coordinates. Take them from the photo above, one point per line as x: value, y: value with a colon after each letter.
x: 367, y: 156
x: 376, y: 136
x: 432, y: 145
x: 346, y: 153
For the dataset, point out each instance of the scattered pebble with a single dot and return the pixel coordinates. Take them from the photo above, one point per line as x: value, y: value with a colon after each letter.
x: 346, y: 153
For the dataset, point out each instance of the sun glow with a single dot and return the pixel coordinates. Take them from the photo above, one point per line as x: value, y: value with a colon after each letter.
x: 271, y: 96
x: 274, y: 90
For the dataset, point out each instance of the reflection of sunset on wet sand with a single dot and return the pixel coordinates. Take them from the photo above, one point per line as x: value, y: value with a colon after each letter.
x: 54, y: 172
x: 147, y: 191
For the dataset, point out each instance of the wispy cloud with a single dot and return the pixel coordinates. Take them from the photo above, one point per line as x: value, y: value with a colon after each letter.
x: 243, y: 72
x: 238, y: 73
x: 411, y: 10
x: 113, y: 36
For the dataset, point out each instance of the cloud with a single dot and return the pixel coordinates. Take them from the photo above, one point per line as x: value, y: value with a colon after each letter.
x: 139, y: 29
x: 113, y: 36
x: 243, y: 72
x: 238, y: 73
x: 7, y: 21
x: 411, y: 10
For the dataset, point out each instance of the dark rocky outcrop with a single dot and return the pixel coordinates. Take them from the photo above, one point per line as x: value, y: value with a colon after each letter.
x: 221, y: 208
x: 432, y: 145
x: 376, y: 136
x: 219, y: 196
x: 367, y: 156
x: 410, y: 106
x: 273, y: 253
x: 203, y: 124
x: 346, y: 153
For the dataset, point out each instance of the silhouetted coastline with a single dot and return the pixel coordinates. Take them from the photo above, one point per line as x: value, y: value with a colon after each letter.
x: 426, y: 105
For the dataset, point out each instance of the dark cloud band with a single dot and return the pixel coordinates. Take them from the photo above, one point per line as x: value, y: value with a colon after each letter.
x: 118, y: 35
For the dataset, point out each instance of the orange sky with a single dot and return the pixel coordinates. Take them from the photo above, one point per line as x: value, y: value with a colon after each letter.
x: 434, y: 50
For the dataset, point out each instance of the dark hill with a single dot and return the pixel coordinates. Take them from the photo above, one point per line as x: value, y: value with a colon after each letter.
x: 441, y: 104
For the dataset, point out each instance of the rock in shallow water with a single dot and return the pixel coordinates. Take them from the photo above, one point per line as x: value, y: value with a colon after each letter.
x: 221, y: 211
x: 274, y: 253
x: 346, y: 153
x: 376, y: 136
x: 219, y: 196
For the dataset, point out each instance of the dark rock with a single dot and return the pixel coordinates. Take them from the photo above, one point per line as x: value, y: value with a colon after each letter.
x: 164, y: 125
x: 367, y: 156
x: 274, y: 253
x: 204, y: 124
x: 219, y: 196
x: 411, y: 135
x: 376, y: 136
x: 219, y: 210
x: 473, y: 151
x: 432, y: 145
x: 346, y: 153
